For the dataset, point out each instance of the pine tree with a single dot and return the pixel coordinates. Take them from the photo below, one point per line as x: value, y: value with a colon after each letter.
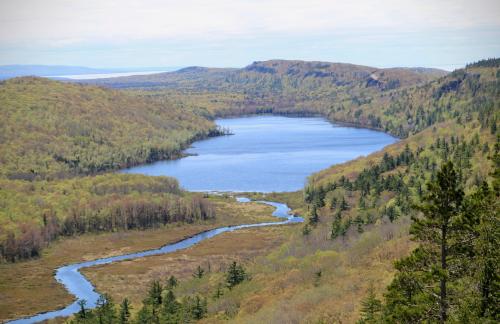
x: 199, y: 272
x: 171, y: 309
x: 370, y: 307
x: 154, y: 294
x: 171, y: 283
x: 482, y: 212
x: 219, y: 291
x: 313, y: 217
x: 419, y: 291
x: 125, y: 307
x: 336, y: 229
x: 235, y: 275
x: 196, y: 306
x: 154, y: 299
x: 440, y: 221
x: 306, y: 230
x: 317, y: 277
x: 170, y: 304
x: 144, y: 316
x: 83, y: 311
x: 343, y: 204
x: 105, y: 310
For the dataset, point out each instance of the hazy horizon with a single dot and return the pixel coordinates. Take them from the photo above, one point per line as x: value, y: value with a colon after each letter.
x: 152, y: 33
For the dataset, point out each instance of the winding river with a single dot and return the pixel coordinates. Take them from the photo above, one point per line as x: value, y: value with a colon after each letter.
x: 266, y: 153
x: 79, y: 286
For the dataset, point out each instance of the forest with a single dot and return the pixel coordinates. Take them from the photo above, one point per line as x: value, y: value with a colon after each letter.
x: 52, y: 130
x: 449, y: 187
x: 36, y: 213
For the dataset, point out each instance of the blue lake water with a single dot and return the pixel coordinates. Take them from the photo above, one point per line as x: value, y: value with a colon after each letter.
x: 267, y: 153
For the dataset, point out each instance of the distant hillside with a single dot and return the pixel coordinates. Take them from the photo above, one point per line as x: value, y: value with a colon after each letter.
x: 279, y: 76
x: 53, y: 129
x: 334, y: 90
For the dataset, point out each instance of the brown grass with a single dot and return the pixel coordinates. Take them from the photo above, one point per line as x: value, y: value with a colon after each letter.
x: 131, y: 278
x: 289, y: 293
x: 24, y: 286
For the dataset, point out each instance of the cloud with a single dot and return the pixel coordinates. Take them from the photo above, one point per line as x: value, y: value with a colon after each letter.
x: 63, y: 22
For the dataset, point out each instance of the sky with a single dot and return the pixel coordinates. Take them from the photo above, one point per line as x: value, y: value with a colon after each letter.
x: 234, y: 33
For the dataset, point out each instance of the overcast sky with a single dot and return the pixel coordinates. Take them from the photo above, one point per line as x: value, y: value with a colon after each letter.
x: 133, y: 33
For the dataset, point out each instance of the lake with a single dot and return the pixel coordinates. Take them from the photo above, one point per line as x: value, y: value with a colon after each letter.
x: 267, y: 153
x: 105, y: 75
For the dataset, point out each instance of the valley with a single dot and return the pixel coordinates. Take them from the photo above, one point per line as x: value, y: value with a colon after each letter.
x: 358, y: 213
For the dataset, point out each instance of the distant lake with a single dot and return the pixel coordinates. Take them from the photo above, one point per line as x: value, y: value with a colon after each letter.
x: 267, y: 153
x: 103, y: 75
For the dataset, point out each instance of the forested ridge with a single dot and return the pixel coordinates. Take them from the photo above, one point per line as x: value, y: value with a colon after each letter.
x: 279, y: 77
x: 54, y: 130
x: 445, y: 178
x: 338, y: 91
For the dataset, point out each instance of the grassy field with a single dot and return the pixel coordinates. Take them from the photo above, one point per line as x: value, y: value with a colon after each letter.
x: 283, y: 265
x: 25, y: 285
x: 131, y: 278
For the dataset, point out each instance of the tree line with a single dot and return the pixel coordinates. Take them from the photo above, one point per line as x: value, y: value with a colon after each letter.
x: 120, y: 214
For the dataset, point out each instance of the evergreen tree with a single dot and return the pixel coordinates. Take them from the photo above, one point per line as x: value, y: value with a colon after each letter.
x: 125, y: 307
x: 154, y: 294
x: 196, y: 306
x: 313, y: 217
x: 105, y: 310
x: 480, y: 299
x: 171, y: 283
x: 343, y: 204
x: 144, y: 316
x: 83, y: 311
x: 219, y: 291
x: 439, y: 224
x: 154, y: 300
x: 171, y: 309
x: 317, y: 277
x: 235, y: 275
x: 333, y: 203
x: 423, y: 278
x: 370, y: 307
x: 199, y: 272
x: 306, y: 230
x: 336, y: 228
x: 170, y: 304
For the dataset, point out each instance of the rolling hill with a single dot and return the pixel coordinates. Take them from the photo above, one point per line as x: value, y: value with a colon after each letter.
x: 279, y: 76
x: 52, y: 129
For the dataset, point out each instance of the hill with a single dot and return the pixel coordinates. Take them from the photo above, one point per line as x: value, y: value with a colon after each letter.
x: 52, y: 129
x: 334, y: 90
x: 279, y: 76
